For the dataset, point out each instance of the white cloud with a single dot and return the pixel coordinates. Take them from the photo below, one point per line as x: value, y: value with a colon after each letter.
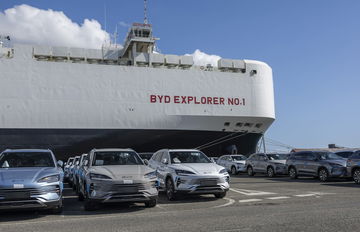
x: 124, y: 24
x: 202, y: 59
x: 27, y: 24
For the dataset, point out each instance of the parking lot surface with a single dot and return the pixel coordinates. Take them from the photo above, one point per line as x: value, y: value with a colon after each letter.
x: 252, y: 204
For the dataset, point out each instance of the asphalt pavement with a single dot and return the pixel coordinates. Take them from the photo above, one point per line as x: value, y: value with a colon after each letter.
x: 252, y: 204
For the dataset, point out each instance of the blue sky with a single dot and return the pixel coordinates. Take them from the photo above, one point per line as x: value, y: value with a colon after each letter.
x: 312, y: 46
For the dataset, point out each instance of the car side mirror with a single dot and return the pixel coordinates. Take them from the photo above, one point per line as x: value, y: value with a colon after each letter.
x: 146, y: 162
x: 60, y: 163
x: 86, y: 162
x: 164, y: 161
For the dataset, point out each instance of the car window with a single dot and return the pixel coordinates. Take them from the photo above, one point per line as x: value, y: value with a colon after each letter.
x: 262, y: 158
x: 356, y: 155
x: 276, y: 156
x: 328, y: 156
x: 26, y: 159
x: 238, y: 157
x: 310, y: 157
x: 345, y: 154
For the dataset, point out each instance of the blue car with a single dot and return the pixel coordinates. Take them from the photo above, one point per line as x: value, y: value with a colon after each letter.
x: 30, y: 179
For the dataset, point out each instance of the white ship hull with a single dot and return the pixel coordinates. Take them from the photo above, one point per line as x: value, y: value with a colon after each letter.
x: 73, y: 107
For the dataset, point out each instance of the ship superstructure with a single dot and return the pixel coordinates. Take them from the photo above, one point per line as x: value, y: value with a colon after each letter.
x: 73, y: 99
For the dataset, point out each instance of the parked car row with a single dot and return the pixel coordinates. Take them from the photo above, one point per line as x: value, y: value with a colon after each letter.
x: 34, y: 179
x: 319, y: 164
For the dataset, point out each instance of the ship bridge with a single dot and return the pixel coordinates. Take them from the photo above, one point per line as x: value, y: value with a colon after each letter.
x: 139, y: 42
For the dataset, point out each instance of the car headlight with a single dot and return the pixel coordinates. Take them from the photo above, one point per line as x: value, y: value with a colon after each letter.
x: 183, y: 172
x: 223, y: 171
x: 150, y: 175
x: 95, y: 176
x: 49, y: 179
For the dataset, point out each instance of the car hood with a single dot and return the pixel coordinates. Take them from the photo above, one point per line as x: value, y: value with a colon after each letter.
x: 122, y: 172
x: 25, y: 175
x: 341, y: 162
x: 199, y: 168
x: 277, y: 161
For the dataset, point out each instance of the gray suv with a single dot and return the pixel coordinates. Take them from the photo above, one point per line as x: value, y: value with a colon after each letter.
x: 353, y: 166
x: 271, y: 164
x: 319, y: 164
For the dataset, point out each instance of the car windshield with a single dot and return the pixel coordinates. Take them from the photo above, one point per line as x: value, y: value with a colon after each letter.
x: 328, y: 156
x: 188, y: 157
x: 238, y: 157
x: 26, y: 159
x: 70, y: 162
x: 116, y: 158
x: 276, y: 156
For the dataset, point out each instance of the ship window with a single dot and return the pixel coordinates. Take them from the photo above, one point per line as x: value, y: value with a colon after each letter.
x: 227, y: 124
x: 239, y: 124
x: 258, y: 125
x: 249, y: 124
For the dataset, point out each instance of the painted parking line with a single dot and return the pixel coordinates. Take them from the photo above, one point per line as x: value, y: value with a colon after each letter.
x: 249, y: 200
x: 230, y: 202
x: 278, y: 198
x: 249, y: 192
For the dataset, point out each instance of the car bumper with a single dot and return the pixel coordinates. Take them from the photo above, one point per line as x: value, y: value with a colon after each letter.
x: 201, y: 184
x: 116, y: 192
x: 281, y: 170
x: 30, y: 198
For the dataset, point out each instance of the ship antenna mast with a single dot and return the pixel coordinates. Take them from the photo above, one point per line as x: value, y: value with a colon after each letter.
x: 145, y: 12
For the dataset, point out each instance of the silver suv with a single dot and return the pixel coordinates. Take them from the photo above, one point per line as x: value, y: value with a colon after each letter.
x: 233, y: 163
x: 30, y: 179
x: 117, y: 175
x: 317, y: 164
x: 189, y: 171
x: 271, y: 164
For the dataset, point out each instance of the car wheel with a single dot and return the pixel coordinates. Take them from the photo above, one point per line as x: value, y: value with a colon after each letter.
x: 81, y: 196
x: 220, y: 195
x: 170, y: 189
x: 323, y: 174
x: 151, y: 203
x: 58, y: 209
x: 270, y: 172
x: 89, y: 205
x: 356, y: 176
x: 250, y: 171
x: 233, y: 170
x: 293, y: 173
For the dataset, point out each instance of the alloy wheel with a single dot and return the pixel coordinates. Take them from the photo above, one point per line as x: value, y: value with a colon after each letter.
x: 250, y: 171
x: 292, y: 173
x: 356, y: 176
x: 270, y: 172
x: 233, y: 170
x: 323, y: 175
x: 170, y: 192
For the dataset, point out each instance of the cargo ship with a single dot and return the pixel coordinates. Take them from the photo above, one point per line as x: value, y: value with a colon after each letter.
x: 71, y: 100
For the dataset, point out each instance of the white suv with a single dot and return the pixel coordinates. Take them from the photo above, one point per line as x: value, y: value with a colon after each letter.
x: 189, y: 171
